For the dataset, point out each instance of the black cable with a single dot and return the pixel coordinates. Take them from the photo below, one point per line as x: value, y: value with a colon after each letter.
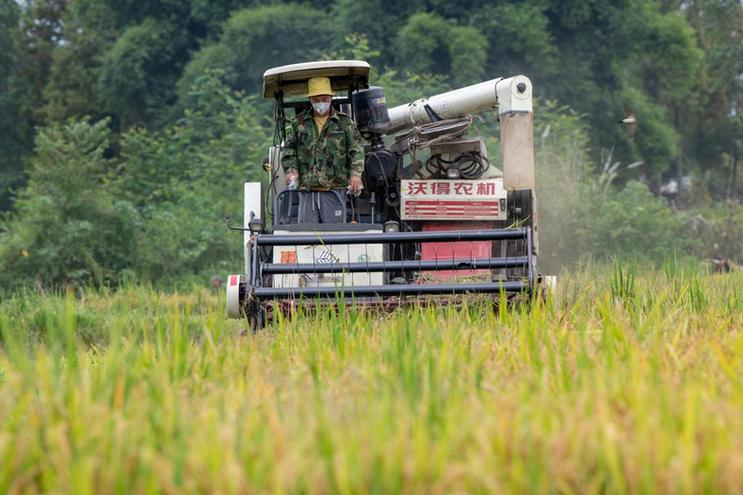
x: 471, y: 165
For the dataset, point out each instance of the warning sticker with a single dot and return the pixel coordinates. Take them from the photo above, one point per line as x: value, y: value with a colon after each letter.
x: 453, y: 199
x: 289, y: 256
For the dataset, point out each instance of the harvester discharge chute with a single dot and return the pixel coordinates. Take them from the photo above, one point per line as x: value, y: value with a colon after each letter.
x: 436, y: 218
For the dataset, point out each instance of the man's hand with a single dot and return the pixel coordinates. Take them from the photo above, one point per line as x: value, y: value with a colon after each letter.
x: 291, y: 180
x: 356, y: 186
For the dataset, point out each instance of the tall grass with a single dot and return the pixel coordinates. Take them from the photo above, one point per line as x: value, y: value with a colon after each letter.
x: 630, y: 382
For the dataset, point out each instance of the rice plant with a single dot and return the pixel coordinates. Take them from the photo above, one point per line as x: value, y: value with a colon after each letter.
x: 608, y: 391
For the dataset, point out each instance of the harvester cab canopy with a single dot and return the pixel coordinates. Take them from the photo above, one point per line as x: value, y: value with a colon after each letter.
x: 291, y: 80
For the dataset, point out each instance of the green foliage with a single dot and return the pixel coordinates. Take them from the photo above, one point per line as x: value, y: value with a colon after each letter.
x: 583, y: 215
x: 714, y: 122
x: 257, y: 39
x: 372, y: 19
x: 9, y: 17
x: 670, y: 59
x: 207, y: 16
x: 519, y: 39
x: 68, y: 229
x: 633, y: 222
x: 611, y: 53
x: 39, y: 35
x: 185, y: 178
x: 134, y: 12
x: 468, y: 50
x: 622, y: 283
x: 429, y: 44
x: 676, y: 65
x: 14, y: 131
x: 72, y: 89
x: 400, y: 88
x: 138, y: 75
x: 355, y: 47
x: 155, y: 213
x: 717, y: 232
x: 421, y: 44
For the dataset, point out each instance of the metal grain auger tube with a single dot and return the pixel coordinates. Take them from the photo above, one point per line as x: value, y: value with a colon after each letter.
x: 437, y: 216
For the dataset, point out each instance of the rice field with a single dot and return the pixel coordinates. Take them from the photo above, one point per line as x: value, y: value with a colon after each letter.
x: 628, y: 380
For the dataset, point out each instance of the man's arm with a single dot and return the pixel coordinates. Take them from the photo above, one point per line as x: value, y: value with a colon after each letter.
x: 355, y: 149
x: 289, y: 161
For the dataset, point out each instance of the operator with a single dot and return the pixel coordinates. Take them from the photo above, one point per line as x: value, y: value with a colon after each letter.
x: 323, y: 157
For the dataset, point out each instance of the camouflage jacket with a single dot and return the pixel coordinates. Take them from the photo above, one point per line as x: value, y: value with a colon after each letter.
x: 325, y: 161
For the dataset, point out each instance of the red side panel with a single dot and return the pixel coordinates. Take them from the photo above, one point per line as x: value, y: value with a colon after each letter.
x: 463, y: 250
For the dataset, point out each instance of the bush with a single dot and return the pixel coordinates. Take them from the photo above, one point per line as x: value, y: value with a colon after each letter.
x: 583, y: 215
x: 68, y: 228
x: 633, y: 222
x: 154, y: 213
x: 717, y: 232
x: 186, y: 178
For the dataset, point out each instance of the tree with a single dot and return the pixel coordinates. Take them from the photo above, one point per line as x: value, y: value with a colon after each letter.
x: 68, y: 229
x: 14, y: 133
x: 607, y: 51
x: 185, y: 178
x: 138, y: 75
x: 41, y: 33
x: 429, y: 44
x: 714, y: 123
x: 256, y: 39
x: 72, y: 89
x: 421, y: 46
x: 379, y: 21
x: 519, y: 41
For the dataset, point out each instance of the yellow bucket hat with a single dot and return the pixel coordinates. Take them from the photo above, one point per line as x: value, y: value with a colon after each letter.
x: 318, y: 86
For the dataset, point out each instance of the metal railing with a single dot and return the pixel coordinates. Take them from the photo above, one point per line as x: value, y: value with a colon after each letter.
x: 257, y: 292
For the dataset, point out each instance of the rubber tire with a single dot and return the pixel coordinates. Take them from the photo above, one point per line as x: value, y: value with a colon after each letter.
x: 520, y: 200
x: 256, y: 316
x: 519, y: 207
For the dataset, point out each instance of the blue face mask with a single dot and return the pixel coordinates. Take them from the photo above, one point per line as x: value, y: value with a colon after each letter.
x: 321, y: 107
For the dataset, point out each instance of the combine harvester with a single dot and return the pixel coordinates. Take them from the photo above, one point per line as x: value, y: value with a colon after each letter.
x: 437, y: 217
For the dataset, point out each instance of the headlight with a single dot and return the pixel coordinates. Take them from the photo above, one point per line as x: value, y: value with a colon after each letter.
x: 392, y: 226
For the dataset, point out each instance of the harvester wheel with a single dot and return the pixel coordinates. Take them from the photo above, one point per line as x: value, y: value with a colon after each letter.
x: 256, y: 315
x: 519, y: 207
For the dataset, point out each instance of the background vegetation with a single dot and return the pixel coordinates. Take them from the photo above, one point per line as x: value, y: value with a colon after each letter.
x: 126, y: 127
